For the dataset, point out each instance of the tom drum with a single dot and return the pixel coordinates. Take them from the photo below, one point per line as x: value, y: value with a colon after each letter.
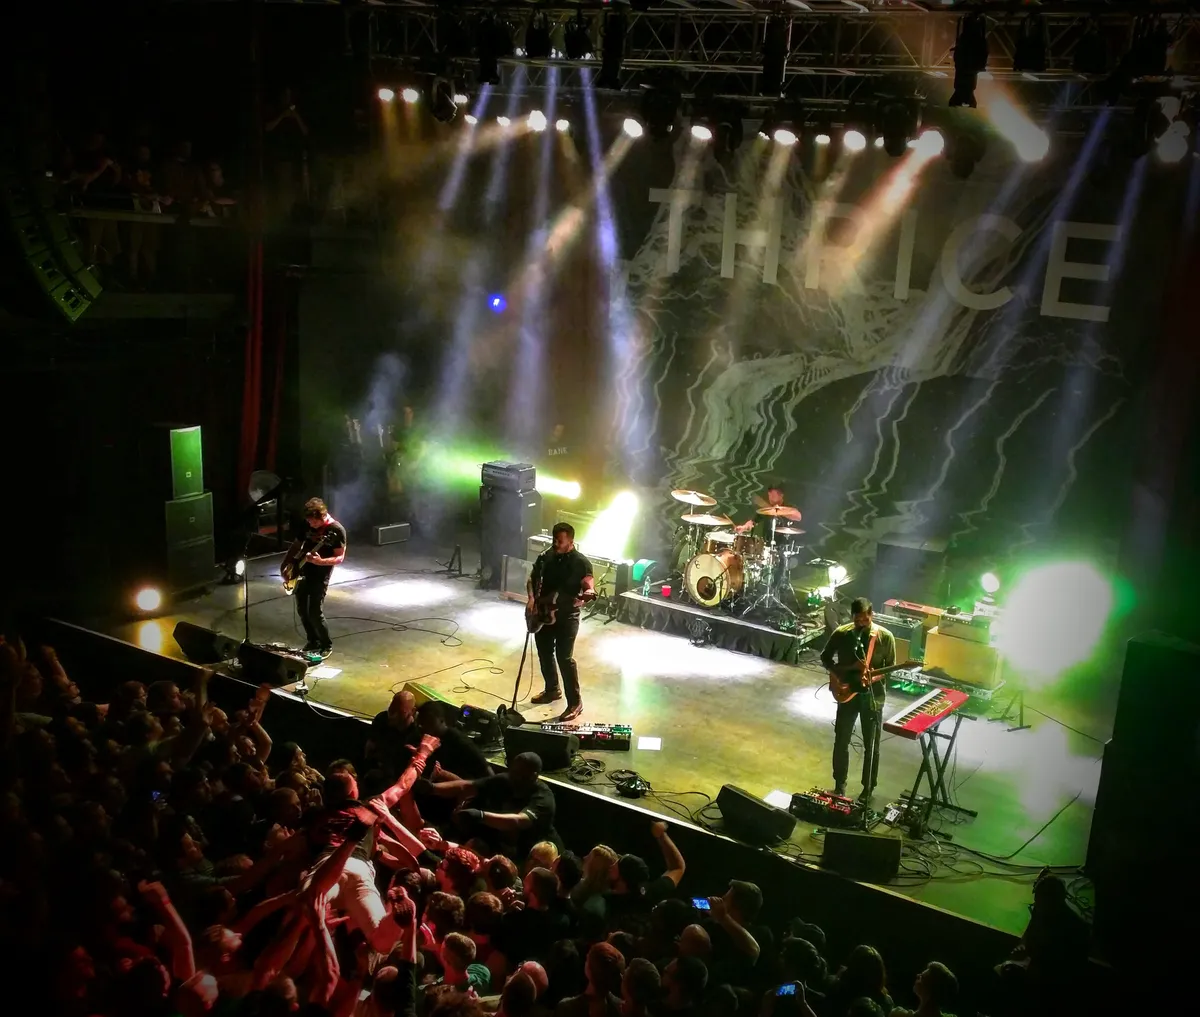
x: 711, y: 578
x: 716, y: 541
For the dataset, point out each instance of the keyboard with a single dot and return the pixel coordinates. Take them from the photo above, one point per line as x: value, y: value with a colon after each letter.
x: 925, y: 714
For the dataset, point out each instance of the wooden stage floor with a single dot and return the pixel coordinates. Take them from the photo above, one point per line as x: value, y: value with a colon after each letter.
x: 722, y: 717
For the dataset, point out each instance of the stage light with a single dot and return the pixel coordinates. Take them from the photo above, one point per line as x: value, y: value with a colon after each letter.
x: 148, y: 598
x: 854, y: 141
x: 777, y: 42
x: 785, y: 137
x: 612, y: 50
x: 562, y: 126
x: 577, y: 41
x: 503, y: 121
x: 878, y: 142
x: 461, y: 98
x: 497, y: 303
x: 837, y: 575
x: 970, y: 58
x: 660, y: 108
x: 386, y: 95
x: 441, y: 100
x: 822, y: 139
x: 1053, y: 619
x: 410, y: 95
x: 556, y: 488
x: 632, y: 127
x: 537, y: 38
x: 930, y: 144
x: 608, y: 534
x: 537, y: 121
x: 1034, y: 146
x: 701, y: 133
x: 1029, y: 53
x: 990, y: 583
x: 494, y: 43
x: 898, y: 121
x: 471, y: 118
x: 729, y: 128
x: 149, y: 636
x: 965, y: 147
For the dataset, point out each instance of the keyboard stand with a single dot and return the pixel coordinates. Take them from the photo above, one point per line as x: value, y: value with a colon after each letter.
x: 933, y: 772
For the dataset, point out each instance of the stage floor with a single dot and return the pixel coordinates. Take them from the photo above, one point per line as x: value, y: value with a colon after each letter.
x: 722, y: 717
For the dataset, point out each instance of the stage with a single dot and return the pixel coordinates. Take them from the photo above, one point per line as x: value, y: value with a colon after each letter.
x: 719, y: 716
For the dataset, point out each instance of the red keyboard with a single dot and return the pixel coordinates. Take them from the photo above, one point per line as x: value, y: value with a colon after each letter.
x: 925, y: 714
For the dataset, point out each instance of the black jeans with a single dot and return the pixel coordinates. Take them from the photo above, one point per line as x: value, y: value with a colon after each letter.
x: 868, y: 711
x: 310, y: 605
x: 557, y: 643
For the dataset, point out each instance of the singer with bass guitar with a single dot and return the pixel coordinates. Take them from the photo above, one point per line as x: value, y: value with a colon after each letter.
x: 307, y: 568
x: 559, y: 584
x: 857, y: 656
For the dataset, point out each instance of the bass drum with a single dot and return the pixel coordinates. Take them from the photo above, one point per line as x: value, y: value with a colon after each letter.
x: 711, y: 578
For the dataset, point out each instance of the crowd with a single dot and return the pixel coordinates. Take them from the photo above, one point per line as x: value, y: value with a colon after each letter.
x: 159, y: 855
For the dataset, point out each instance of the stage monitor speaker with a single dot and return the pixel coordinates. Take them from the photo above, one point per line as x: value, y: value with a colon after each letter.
x: 189, y: 518
x: 507, y: 519
x: 203, y: 646
x: 554, y: 747
x: 862, y: 856
x: 751, y: 818
x: 1142, y: 727
x: 260, y: 664
x: 910, y: 568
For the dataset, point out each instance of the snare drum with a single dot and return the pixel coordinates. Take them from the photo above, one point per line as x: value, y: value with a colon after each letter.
x: 716, y: 541
x: 712, y: 578
x: 748, y: 545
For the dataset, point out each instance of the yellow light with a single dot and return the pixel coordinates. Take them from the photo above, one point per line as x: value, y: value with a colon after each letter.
x: 239, y: 569
x: 822, y: 139
x: 837, y: 575
x: 568, y: 489
x: 784, y: 136
x: 410, y: 95
x: 503, y: 121
x: 149, y: 636
x: 386, y: 95
x: 148, y: 599
x: 608, y: 535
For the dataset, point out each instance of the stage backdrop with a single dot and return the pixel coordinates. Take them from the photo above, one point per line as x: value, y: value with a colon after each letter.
x: 900, y: 352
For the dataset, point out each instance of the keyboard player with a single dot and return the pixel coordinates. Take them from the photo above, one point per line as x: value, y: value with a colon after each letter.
x: 846, y: 655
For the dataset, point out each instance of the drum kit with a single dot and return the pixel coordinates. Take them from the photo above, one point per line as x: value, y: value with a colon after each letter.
x: 740, y: 572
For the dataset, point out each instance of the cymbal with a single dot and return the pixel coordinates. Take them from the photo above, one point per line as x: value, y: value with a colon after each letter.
x: 693, y: 497
x: 789, y: 531
x: 781, y: 512
x: 704, y: 519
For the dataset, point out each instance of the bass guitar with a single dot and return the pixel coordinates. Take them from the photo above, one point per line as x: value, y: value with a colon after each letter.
x: 290, y: 568
x: 843, y: 691
x: 544, y: 609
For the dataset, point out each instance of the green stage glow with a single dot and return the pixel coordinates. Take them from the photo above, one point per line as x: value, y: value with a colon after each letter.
x: 990, y: 582
x: 444, y: 466
x: 608, y: 536
x: 568, y: 489
x: 1053, y: 618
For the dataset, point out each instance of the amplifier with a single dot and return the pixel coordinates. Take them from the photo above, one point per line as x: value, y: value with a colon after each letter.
x: 273, y: 665
x: 751, y: 818
x: 554, y: 747
x: 506, y: 476
x: 964, y: 660
x: 611, y: 576
x: 909, y: 633
x: 392, y: 534
x: 615, y: 737
x: 926, y: 615
x: 817, y: 806
x: 976, y: 628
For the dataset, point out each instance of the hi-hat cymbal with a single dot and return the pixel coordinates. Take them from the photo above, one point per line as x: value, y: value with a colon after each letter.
x: 693, y: 498
x: 704, y: 519
x: 781, y: 512
x: 788, y: 531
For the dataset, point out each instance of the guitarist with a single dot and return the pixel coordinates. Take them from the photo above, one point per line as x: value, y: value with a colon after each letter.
x: 560, y: 582
x: 316, y: 571
x: 852, y: 652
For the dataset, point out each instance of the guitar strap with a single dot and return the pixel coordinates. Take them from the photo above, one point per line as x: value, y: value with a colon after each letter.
x: 869, y: 689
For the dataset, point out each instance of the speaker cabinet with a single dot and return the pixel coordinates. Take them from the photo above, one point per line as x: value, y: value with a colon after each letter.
x: 260, y: 664
x: 204, y: 646
x: 909, y: 633
x: 751, y: 819
x: 189, y: 518
x: 187, y: 462
x: 171, y: 462
x: 861, y: 856
x: 191, y: 564
x: 507, y: 519
x: 910, y: 568
x: 554, y: 747
x: 1154, y: 663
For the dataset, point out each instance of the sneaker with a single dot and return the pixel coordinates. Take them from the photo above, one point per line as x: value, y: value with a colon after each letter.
x: 839, y: 790
x: 570, y: 713
x: 312, y: 647
x: 324, y: 651
x: 866, y: 796
x: 548, y: 696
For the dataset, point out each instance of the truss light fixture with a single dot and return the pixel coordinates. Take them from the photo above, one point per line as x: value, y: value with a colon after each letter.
x: 410, y: 95
x: 970, y: 58
x: 822, y: 138
x: 660, y: 109
x: 1033, y: 40
x: 471, y: 119
x: 898, y: 121
x: 562, y: 125
x: 702, y: 132
x: 784, y: 136
x: 386, y: 94
x: 729, y: 128
x: 1091, y: 51
x: 503, y: 121
x: 777, y: 41
x: 878, y: 142
x: 612, y: 51
x: 965, y: 146
x: 495, y: 43
x: 854, y: 140
x: 537, y: 121
x: 461, y: 98
x: 537, y: 38
x: 577, y: 41
x: 633, y: 128
x: 441, y: 100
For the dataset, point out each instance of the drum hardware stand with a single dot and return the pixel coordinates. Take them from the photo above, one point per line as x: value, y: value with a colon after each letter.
x: 769, y: 599
x: 454, y: 565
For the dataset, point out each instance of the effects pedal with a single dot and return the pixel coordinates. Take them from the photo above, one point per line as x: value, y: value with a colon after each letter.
x: 612, y: 737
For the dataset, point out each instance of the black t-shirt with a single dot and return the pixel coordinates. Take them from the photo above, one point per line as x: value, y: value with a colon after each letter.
x: 529, y: 935
x: 461, y: 756
x: 335, y: 533
x: 848, y: 644
x: 560, y: 574
x: 394, y: 746
x: 629, y: 912
x: 497, y: 794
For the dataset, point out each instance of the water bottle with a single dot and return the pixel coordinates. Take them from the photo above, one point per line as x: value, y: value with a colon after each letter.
x: 646, y: 586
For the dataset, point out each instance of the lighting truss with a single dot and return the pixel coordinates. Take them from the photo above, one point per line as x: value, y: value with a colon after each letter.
x: 839, y: 48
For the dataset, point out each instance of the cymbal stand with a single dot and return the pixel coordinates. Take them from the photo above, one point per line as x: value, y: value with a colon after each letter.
x: 769, y: 600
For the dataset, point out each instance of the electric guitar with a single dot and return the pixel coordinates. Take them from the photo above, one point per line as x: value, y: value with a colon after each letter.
x: 843, y: 691
x: 290, y: 568
x: 544, y: 610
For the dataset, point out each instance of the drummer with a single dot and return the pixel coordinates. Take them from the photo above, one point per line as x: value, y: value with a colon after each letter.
x: 774, y: 499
